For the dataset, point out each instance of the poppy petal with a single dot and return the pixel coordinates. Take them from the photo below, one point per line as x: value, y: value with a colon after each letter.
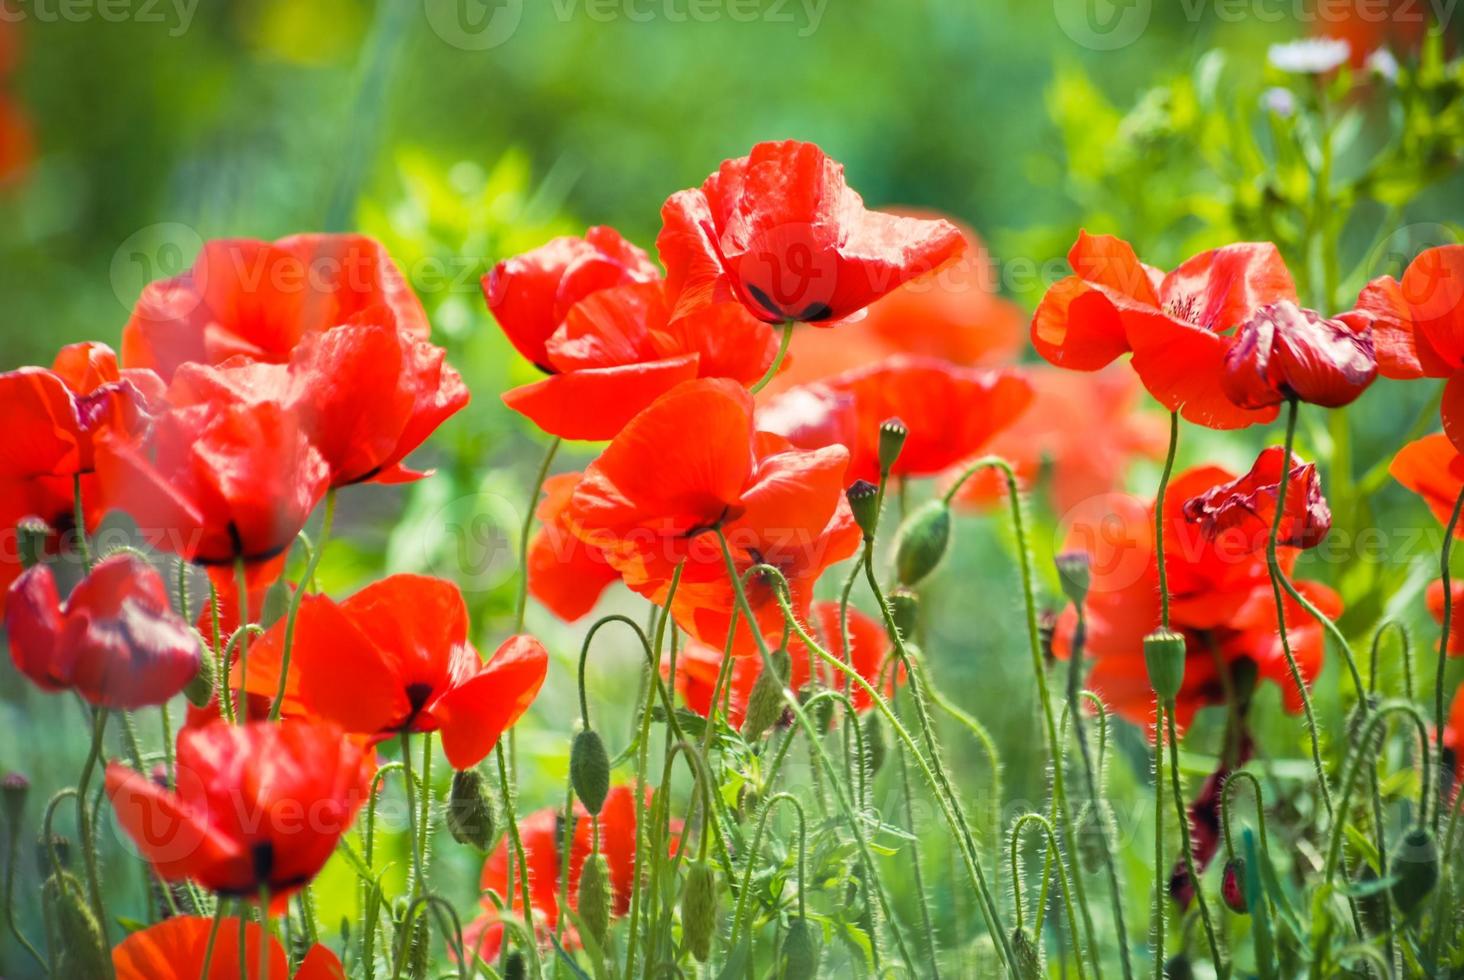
x: 473, y: 714
x: 596, y: 404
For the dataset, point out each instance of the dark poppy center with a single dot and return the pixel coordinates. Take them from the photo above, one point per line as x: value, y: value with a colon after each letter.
x: 417, y: 695
x: 263, y: 856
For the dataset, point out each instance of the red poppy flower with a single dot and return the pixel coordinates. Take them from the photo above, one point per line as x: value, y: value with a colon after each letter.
x: 217, y: 482
x: 542, y: 834
x: 565, y: 574
x: 366, y: 395
x: 531, y: 294
x: 176, y: 949
x: 1080, y: 434
x: 114, y: 641
x: 691, y: 463
x: 1221, y: 602
x: 395, y: 657
x: 951, y: 412
x: 1432, y: 468
x: 698, y: 665
x: 257, y: 806
x: 1179, y: 327
x: 781, y: 232
x: 618, y: 350
x: 1238, y: 515
x: 1418, y: 326
x: 260, y: 299
x: 1286, y: 352
x: 1434, y: 599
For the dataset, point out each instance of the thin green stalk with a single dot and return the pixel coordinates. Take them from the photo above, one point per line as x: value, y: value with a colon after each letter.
x: 12, y: 839
x: 213, y: 938
x: 1446, y: 576
x: 1446, y: 885
x: 505, y: 789
x: 1159, y: 896
x: 1187, y: 846
x: 412, y: 837
x: 84, y: 826
x: 264, y: 933
x: 522, y: 604
x: 241, y: 577
x: 78, y: 516
x: 1062, y: 876
x: 293, y: 614
x: 768, y: 806
x: 918, y: 875
x: 1159, y: 519
x: 772, y: 370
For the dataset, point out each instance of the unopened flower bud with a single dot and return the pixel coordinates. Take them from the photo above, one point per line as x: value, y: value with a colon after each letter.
x: 31, y: 535
x: 800, y: 950
x: 765, y: 704
x: 14, y: 788
x: 1232, y: 886
x: 515, y: 969
x: 892, y: 434
x: 1164, y: 656
x: 748, y: 800
x: 905, y: 611
x: 1075, y: 573
x: 922, y: 541
x: 589, y: 769
x: 200, y: 690
x: 1027, y: 958
x: 874, y: 742
x: 699, y: 910
x: 594, y: 897
x: 469, y: 815
x: 57, y: 844
x: 1415, y: 866
x: 863, y: 498
x: 82, y: 951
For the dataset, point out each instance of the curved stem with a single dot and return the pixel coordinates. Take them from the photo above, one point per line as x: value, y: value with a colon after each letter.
x: 1405, y: 647
x: 294, y: 611
x: 1448, y: 623
x: 1235, y: 778
x: 522, y: 604
x: 1062, y: 875
x: 1187, y: 845
x: 757, y: 837
x: 505, y: 789
x: 772, y: 370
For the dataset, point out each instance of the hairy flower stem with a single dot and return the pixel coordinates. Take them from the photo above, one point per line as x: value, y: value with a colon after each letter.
x: 1273, y: 565
x: 78, y: 517
x: 1446, y: 577
x: 918, y: 875
x: 294, y: 611
x: 84, y: 825
x: 505, y: 789
x: 522, y: 604
x: 241, y: 578
x: 1062, y: 877
x: 1160, y: 898
x: 1159, y: 519
x: 1222, y: 968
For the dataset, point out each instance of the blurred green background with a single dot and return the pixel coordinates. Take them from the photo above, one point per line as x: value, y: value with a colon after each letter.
x: 462, y: 131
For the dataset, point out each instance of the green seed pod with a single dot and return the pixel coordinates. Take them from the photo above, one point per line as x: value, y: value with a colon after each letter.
x: 800, y: 950
x: 765, y: 705
x: 200, y: 689
x: 1232, y: 886
x: 1164, y: 656
x: 922, y: 541
x: 589, y: 769
x: 31, y: 535
x: 699, y: 910
x: 1415, y: 865
x: 863, y: 498
x: 83, y: 953
x: 1075, y: 573
x: 515, y: 969
x: 1028, y: 958
x: 905, y: 612
x: 469, y: 814
x: 892, y: 435
x: 594, y: 897
x: 874, y: 742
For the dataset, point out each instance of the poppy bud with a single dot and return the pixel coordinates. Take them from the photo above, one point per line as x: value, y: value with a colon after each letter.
x: 1177, y: 967
x: 1028, y: 959
x: 200, y: 690
x: 922, y: 541
x: 514, y: 969
x: 905, y: 611
x: 1164, y: 656
x: 874, y: 743
x: 892, y: 434
x: 57, y: 843
x: 1075, y: 573
x: 699, y: 910
x: 1415, y: 865
x: 589, y: 769
x: 83, y: 953
x: 419, y: 947
x: 1232, y: 886
x: 469, y: 814
x: 31, y: 534
x: 765, y: 703
x: 748, y: 799
x: 800, y: 950
x: 594, y: 897
x: 863, y: 498
x: 13, y: 790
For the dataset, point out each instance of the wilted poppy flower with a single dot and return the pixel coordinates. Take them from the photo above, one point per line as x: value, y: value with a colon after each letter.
x: 257, y: 806
x: 531, y: 294
x: 781, y: 232
x: 395, y: 657
x: 1434, y: 599
x: 1237, y: 516
x: 1432, y: 468
x: 1081, y: 432
x: 1286, y: 352
x: 1418, y: 326
x: 176, y: 949
x: 1179, y: 327
x: 260, y: 299
x: 365, y: 395
x: 565, y: 574
x: 114, y: 641
x: 217, y: 482
x: 618, y: 350
x: 690, y: 464
x: 1222, y: 603
x: 951, y: 412
x: 542, y: 834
